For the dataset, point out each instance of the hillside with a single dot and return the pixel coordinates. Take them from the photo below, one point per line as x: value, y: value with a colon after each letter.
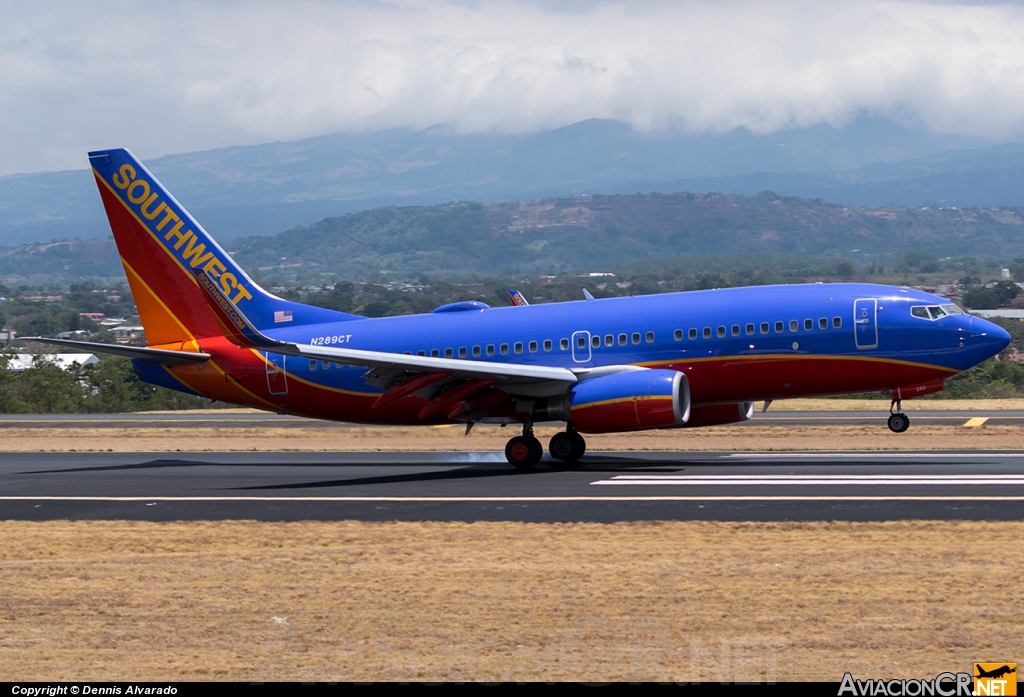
x: 597, y: 232
x: 552, y: 235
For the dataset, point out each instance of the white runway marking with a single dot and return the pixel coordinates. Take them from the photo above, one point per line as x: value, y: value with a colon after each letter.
x: 813, y: 480
x: 861, y: 454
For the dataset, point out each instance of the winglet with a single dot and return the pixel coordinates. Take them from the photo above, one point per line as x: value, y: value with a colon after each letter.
x: 517, y: 298
x: 587, y: 295
x: 236, y: 326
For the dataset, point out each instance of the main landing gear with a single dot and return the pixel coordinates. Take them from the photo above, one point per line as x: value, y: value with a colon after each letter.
x: 525, y: 451
x: 898, y: 421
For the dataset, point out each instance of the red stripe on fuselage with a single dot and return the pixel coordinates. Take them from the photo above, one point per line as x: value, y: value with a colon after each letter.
x: 717, y: 381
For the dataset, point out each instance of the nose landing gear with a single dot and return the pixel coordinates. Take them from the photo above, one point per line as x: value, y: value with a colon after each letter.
x: 898, y: 421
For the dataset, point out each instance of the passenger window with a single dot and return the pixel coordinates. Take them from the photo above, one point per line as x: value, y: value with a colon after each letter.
x: 764, y: 327
x: 750, y: 330
x: 649, y: 337
x: 533, y: 347
x: 434, y: 353
x: 822, y: 323
x: 793, y: 325
x: 780, y: 327
x: 327, y: 364
x: 837, y: 322
x: 678, y: 335
x: 609, y: 340
x: 405, y: 353
x: 581, y: 341
x: 622, y: 339
x: 735, y: 330
x: 476, y: 352
x: 462, y: 352
x: 707, y: 332
x: 504, y: 349
x: 920, y: 311
x: 721, y: 331
x: 808, y: 324
x: 312, y: 365
x: 595, y: 341
x: 518, y: 347
x: 636, y: 337
x: 547, y: 344
x: 563, y: 344
x: 490, y: 349
x: 421, y: 353
x: 693, y: 334
x: 448, y: 353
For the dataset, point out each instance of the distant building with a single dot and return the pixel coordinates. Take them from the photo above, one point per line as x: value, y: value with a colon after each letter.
x: 125, y: 334
x: 66, y: 361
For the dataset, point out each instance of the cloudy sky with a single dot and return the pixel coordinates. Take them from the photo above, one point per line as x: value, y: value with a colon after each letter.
x: 163, y: 77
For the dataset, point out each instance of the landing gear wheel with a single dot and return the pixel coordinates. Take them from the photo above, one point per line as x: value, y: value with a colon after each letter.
x: 579, y: 448
x: 898, y: 422
x: 523, y: 452
x: 567, y: 446
x: 561, y: 446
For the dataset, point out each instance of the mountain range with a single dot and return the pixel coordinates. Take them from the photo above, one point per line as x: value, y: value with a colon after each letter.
x: 265, y: 189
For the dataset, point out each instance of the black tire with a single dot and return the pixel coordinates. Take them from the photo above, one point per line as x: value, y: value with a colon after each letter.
x: 562, y: 446
x: 579, y: 447
x: 898, y: 423
x: 523, y: 452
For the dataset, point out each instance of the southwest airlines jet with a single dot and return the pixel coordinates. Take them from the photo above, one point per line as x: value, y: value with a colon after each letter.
x: 678, y: 360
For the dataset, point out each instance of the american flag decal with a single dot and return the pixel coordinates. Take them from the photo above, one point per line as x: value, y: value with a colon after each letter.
x: 282, y: 316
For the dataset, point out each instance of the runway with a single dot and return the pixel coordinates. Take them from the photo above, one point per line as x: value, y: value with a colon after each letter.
x: 606, y: 487
x: 233, y: 419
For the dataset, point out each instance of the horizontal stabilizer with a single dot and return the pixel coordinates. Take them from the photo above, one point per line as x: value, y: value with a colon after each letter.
x: 139, y: 353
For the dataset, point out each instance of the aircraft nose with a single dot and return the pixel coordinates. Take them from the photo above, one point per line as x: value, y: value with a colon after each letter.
x: 994, y: 337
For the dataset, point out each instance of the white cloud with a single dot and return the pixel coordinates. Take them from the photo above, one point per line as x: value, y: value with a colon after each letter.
x: 173, y: 77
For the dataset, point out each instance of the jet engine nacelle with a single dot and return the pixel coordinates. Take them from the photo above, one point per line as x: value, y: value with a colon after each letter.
x: 630, y: 401
x: 719, y: 414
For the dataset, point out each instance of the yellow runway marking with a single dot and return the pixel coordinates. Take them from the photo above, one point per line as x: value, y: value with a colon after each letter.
x: 976, y: 421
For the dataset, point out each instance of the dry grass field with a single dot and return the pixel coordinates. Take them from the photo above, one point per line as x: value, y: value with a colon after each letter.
x: 671, y: 601
x: 493, y: 438
x: 506, y: 601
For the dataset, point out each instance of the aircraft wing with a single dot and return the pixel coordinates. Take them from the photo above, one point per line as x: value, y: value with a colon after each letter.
x: 150, y: 355
x: 242, y: 332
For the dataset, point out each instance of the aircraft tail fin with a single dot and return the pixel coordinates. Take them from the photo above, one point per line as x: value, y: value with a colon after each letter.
x: 163, y: 248
x: 517, y: 298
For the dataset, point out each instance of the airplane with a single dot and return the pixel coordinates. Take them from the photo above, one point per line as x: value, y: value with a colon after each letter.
x: 995, y: 673
x: 675, y: 360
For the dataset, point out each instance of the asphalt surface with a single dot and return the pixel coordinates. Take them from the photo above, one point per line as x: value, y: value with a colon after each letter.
x: 215, y: 419
x: 606, y: 487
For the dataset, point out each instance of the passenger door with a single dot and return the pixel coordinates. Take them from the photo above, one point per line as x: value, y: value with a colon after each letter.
x: 865, y: 323
x: 277, y: 373
x: 581, y: 346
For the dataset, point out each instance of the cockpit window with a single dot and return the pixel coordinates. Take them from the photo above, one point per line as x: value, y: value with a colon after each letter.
x: 935, y: 311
